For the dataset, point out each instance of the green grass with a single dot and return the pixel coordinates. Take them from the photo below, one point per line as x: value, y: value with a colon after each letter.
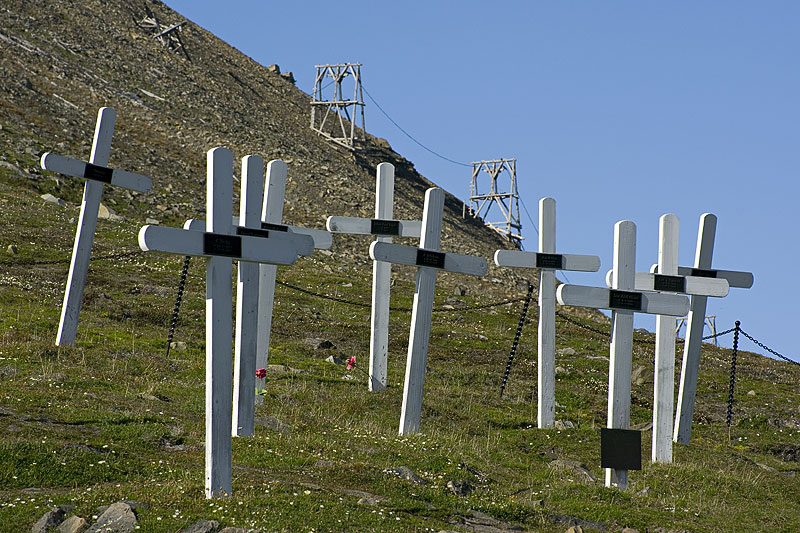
x: 111, y: 418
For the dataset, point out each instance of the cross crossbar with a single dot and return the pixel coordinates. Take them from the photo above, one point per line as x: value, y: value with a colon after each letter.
x: 374, y: 226
x: 89, y: 171
x: 683, y: 284
x: 322, y: 239
x: 419, y: 257
x: 572, y: 262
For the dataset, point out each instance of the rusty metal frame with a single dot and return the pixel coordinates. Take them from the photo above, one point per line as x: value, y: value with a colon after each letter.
x: 336, y: 118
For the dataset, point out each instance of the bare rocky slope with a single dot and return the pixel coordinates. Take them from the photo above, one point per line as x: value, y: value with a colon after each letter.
x: 59, y: 65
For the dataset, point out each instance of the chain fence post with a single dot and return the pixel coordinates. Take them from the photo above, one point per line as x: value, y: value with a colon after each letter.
x: 733, y: 375
x: 181, y: 286
x: 516, y: 337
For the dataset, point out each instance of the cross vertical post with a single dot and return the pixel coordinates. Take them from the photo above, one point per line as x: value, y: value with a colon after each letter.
x: 664, y: 381
x: 546, y: 377
x: 247, y: 291
x: 422, y: 311
x: 381, y: 280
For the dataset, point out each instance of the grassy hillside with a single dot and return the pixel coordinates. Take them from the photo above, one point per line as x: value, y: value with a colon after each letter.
x: 113, y: 418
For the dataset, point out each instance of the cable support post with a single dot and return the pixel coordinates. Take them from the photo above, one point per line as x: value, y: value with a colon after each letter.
x: 516, y: 337
x: 733, y: 375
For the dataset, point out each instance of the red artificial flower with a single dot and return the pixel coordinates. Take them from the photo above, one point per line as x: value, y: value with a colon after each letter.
x: 351, y: 362
x: 261, y: 373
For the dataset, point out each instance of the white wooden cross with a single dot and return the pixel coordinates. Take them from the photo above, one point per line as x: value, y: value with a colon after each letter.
x: 256, y: 284
x: 668, y: 280
x: 547, y: 261
x: 694, y: 328
x: 429, y: 261
x: 96, y: 173
x: 383, y: 227
x: 222, y: 243
x: 624, y: 301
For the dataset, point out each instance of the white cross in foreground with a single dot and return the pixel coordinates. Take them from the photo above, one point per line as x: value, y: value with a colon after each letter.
x: 547, y: 261
x: 668, y: 280
x: 383, y: 227
x: 222, y: 243
x: 623, y: 300
x: 96, y: 174
x: 255, y: 289
x: 694, y: 323
x: 429, y: 261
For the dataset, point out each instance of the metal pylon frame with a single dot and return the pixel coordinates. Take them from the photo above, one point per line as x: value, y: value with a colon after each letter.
x: 336, y: 118
x: 710, y: 321
x: 507, y: 202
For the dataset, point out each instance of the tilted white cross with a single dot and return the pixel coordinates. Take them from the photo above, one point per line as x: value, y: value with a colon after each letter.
x: 547, y: 261
x: 624, y: 301
x: 694, y: 323
x: 96, y: 173
x: 668, y: 280
x: 383, y: 227
x: 221, y: 243
x: 256, y: 286
x: 429, y: 261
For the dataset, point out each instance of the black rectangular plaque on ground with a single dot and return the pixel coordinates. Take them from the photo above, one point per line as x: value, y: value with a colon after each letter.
x: 662, y: 282
x: 384, y: 227
x: 627, y: 300
x: 224, y: 245
x: 97, y: 173
x: 621, y: 449
x: 549, y: 261
x: 428, y: 258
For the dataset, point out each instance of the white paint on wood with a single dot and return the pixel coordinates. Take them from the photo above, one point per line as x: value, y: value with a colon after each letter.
x: 572, y: 262
x: 664, y: 381
x: 716, y: 287
x: 381, y: 281
x: 84, y: 234
x: 322, y: 238
x: 77, y: 168
x: 247, y: 291
x: 219, y: 328
x: 417, y: 358
x: 363, y: 226
x: 546, y: 361
x: 407, y: 255
x: 598, y: 297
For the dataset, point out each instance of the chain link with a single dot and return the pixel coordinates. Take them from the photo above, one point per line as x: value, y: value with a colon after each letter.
x: 770, y: 350
x: 181, y: 287
x: 516, y: 338
x: 733, y: 373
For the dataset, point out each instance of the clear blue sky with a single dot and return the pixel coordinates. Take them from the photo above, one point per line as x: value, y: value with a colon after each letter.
x: 617, y: 109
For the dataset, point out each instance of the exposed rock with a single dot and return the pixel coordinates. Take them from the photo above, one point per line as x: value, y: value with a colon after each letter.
x: 107, y: 213
x: 53, y: 200
x: 118, y: 517
x: 335, y: 360
x: 288, y: 76
x: 49, y: 520
x: 273, y: 424
x: 403, y: 472
x: 564, y: 424
x: 12, y: 249
x: 282, y: 369
x: 577, y: 523
x: 8, y: 371
x: 579, y: 470
x: 369, y: 502
x: 460, y: 487
x: 483, y: 523
x: 644, y: 492
x: 561, y: 371
x: 751, y: 393
x: 574, y: 529
x: 629, y: 530
x: 641, y: 375
x: 149, y: 220
x: 643, y: 426
x: 566, y: 351
x: 275, y: 69
x: 203, y: 526
x: 73, y: 524
x: 177, y: 345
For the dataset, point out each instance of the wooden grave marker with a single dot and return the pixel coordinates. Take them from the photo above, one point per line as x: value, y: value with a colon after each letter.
x: 222, y: 243
x: 429, y: 260
x: 623, y: 300
x: 668, y: 280
x: 694, y: 323
x: 253, y: 334
x: 383, y: 226
x: 547, y: 261
x: 97, y: 174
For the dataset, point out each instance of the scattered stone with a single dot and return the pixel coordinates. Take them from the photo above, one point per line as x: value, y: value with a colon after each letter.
x: 73, y: 524
x: 273, y: 424
x: 107, y: 213
x: 149, y: 220
x: 767, y: 467
x: 460, y: 487
x: 325, y: 345
x: 574, y: 529
x: 119, y: 517
x: 580, y: 470
x: 230, y: 529
x: 644, y: 492
x: 643, y: 426
x: 369, y: 502
x: 8, y: 371
x: 641, y: 375
x: 561, y: 371
x: 751, y: 393
x: 483, y: 523
x: 203, y: 526
x: 49, y: 520
x: 403, y: 472
x: 53, y: 200
x: 629, y: 530
x: 335, y: 360
x: 282, y: 369
x: 578, y: 523
x: 566, y: 351
x: 460, y: 291
x: 177, y: 345
x: 12, y: 249
x: 564, y: 424
x: 275, y: 69
x: 288, y: 76
x: 324, y: 463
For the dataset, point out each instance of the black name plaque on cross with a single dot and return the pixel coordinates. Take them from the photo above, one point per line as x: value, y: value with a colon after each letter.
x: 704, y: 273
x: 224, y: 245
x: 620, y: 449
x: 627, y: 300
x: 549, y: 261
x: 384, y: 227
x: 252, y: 232
x: 274, y: 227
x: 97, y: 173
x: 428, y: 258
x: 663, y: 282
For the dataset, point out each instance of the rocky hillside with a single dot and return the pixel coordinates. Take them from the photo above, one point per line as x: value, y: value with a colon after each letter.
x: 59, y: 65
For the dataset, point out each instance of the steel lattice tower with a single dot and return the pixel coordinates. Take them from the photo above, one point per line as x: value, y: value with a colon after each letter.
x: 336, y: 117
x: 480, y: 204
